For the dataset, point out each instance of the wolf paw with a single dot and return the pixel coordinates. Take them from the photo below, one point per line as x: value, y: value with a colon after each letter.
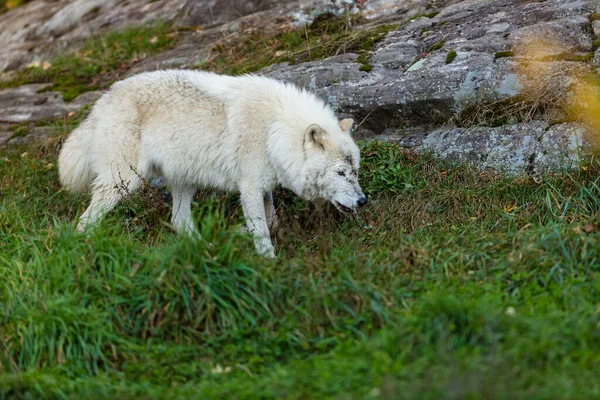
x: 265, y: 248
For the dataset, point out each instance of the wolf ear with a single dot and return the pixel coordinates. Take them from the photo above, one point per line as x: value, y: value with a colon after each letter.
x: 346, y: 124
x: 315, y: 134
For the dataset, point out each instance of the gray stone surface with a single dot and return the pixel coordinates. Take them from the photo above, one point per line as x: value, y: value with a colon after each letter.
x: 529, y: 148
x: 596, y: 27
x: 41, y: 29
x: 27, y: 103
x: 37, y: 134
x: 533, y: 148
x: 412, y: 88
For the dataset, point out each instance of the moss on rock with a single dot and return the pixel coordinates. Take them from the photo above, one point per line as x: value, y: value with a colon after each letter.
x: 450, y: 57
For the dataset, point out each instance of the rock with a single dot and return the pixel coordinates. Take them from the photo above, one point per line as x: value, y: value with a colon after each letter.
x: 596, y: 28
x: 18, y: 26
x: 432, y: 93
x: 498, y: 28
x: 69, y: 17
x: 528, y: 148
x: 27, y: 103
x: 210, y: 13
x: 384, y: 9
x: 319, y: 74
x: 42, y: 29
x: 37, y: 134
x: 400, y: 54
x: 596, y: 60
x: 551, y: 38
x: 190, y: 52
x: 411, y: 82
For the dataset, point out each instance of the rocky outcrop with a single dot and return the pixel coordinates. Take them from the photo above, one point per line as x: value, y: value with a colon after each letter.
x: 43, y: 28
x: 432, y: 69
x: 30, y: 103
x: 475, y: 80
x: 532, y: 148
x: 412, y: 80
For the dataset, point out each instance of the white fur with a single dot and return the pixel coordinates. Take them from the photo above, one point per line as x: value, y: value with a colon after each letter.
x: 193, y: 129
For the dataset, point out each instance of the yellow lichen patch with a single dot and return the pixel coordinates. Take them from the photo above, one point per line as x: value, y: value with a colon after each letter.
x: 10, y: 4
x: 586, y: 100
x: 579, y: 98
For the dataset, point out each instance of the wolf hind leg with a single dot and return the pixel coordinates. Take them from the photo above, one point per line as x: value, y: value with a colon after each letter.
x: 181, y: 218
x: 106, y: 194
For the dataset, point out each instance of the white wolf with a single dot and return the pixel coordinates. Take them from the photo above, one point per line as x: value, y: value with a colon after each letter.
x: 194, y: 129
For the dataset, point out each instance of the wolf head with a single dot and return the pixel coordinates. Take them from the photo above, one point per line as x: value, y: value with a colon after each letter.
x: 332, y: 160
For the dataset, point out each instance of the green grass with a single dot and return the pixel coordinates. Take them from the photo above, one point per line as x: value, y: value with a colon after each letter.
x: 451, y: 283
x: 99, y: 62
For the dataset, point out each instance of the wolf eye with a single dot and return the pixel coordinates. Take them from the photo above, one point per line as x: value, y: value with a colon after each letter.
x: 341, y: 173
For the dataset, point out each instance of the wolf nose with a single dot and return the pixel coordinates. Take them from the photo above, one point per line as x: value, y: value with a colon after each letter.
x: 362, y: 201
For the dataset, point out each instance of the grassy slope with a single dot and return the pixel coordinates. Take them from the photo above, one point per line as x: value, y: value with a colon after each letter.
x: 440, y: 288
x: 451, y: 283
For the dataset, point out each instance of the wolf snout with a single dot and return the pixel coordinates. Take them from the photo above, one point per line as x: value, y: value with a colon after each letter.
x: 362, y: 201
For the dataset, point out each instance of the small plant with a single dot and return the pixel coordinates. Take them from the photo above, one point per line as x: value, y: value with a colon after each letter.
x: 437, y: 46
x: 425, y: 15
x: 364, y: 61
x: 503, y: 54
x: 450, y: 57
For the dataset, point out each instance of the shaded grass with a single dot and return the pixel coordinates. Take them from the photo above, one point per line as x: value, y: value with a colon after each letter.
x: 452, y: 283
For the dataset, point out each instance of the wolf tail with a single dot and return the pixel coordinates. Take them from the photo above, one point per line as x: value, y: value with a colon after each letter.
x: 74, y: 164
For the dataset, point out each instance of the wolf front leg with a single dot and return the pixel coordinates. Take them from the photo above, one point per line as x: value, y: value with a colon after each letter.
x: 256, y: 219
